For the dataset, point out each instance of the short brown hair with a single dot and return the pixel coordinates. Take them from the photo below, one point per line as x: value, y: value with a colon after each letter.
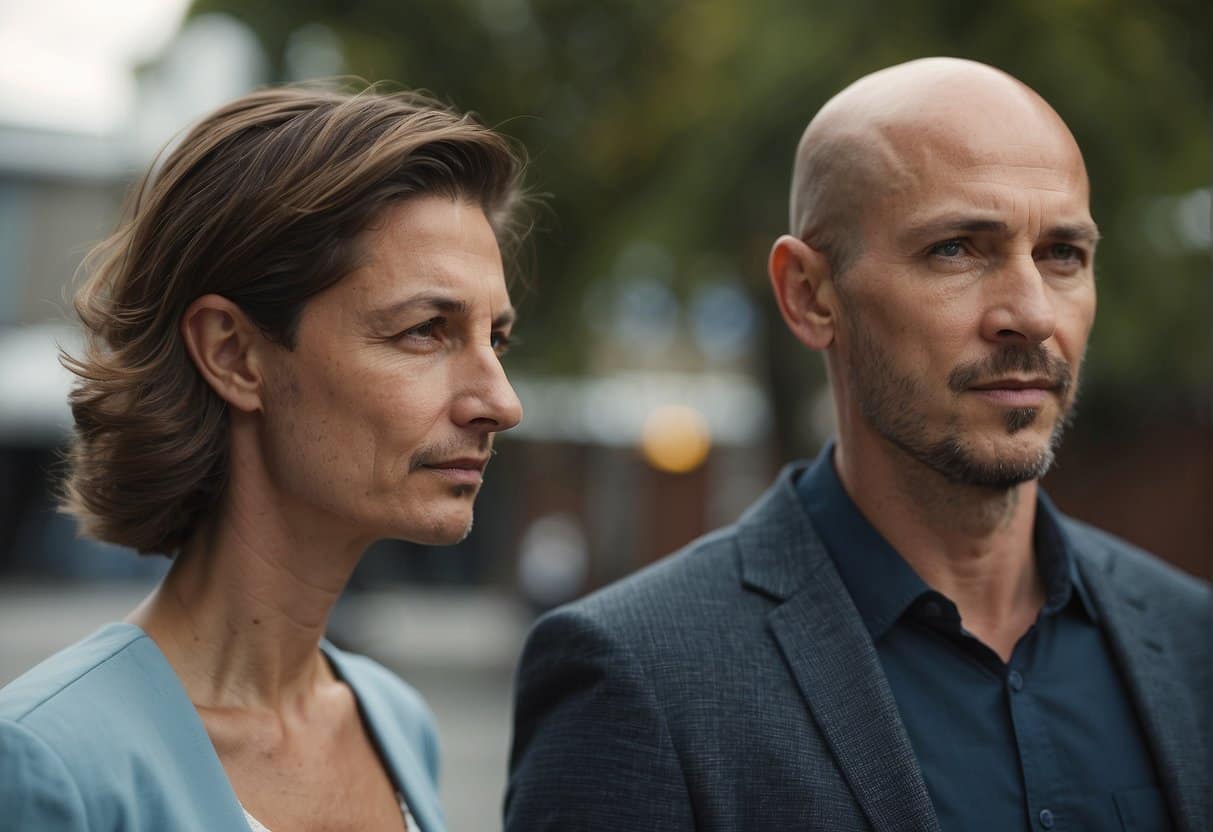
x: 261, y: 203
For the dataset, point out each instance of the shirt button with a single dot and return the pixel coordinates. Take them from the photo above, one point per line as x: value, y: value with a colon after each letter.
x: 1016, y: 683
x: 1046, y: 818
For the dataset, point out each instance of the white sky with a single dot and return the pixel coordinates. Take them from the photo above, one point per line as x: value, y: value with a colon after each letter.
x: 68, y: 64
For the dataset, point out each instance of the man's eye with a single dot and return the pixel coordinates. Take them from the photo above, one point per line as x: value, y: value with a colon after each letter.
x: 948, y: 248
x: 1064, y: 251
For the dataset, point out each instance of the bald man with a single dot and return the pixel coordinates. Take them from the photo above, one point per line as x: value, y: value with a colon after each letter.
x: 904, y: 634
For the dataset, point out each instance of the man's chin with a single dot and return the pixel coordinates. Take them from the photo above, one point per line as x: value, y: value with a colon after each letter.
x: 1003, y: 474
x: 998, y: 465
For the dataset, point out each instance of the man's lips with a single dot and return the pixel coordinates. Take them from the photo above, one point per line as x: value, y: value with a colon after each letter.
x: 1038, y: 383
x: 1017, y: 392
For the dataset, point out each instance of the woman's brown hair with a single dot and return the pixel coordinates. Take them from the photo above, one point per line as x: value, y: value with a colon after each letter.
x: 261, y: 203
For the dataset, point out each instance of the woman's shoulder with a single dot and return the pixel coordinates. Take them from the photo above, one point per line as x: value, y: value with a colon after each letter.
x: 108, y: 665
x: 37, y: 790
x: 85, y: 728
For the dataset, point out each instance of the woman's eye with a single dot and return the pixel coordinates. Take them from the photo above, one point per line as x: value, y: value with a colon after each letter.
x: 500, y: 343
x: 424, y: 330
x: 948, y: 248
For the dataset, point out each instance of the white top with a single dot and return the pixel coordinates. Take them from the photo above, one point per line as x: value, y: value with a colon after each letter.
x: 257, y: 826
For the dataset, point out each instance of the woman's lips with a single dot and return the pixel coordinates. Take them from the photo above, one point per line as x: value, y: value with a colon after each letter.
x: 469, y: 471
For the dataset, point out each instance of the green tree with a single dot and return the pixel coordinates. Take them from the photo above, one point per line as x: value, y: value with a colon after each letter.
x: 675, y: 123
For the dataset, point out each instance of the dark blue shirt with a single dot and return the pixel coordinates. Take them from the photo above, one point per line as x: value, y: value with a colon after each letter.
x: 1046, y: 741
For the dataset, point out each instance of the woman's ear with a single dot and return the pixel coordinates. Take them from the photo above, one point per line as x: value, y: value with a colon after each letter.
x: 804, y: 290
x: 223, y: 342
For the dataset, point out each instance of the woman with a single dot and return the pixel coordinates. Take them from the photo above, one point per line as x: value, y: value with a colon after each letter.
x: 294, y: 348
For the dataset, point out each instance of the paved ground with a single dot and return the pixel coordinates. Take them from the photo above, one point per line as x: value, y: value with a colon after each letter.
x: 457, y: 647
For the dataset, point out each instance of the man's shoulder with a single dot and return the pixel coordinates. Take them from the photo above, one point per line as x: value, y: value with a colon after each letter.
x: 705, y: 569
x: 1133, y: 569
x: 672, y: 613
x: 718, y: 587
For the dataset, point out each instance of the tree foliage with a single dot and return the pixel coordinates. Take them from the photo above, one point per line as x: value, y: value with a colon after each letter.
x: 675, y: 123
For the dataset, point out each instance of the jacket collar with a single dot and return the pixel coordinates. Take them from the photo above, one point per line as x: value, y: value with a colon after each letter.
x: 831, y: 656
x: 772, y: 526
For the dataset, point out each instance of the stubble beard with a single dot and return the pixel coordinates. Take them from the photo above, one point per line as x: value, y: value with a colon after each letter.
x: 889, y: 401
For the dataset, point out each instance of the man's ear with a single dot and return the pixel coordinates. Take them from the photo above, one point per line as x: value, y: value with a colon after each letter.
x: 804, y: 290
x: 223, y: 344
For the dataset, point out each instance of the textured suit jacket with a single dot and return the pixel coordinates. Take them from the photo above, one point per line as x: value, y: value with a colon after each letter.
x: 102, y: 736
x: 733, y: 686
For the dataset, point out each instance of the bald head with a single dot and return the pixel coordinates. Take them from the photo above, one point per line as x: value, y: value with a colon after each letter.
x: 873, y: 138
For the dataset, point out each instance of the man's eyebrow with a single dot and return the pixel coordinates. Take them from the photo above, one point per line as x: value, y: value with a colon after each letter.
x: 1076, y: 233
x: 951, y: 224
x: 1080, y: 232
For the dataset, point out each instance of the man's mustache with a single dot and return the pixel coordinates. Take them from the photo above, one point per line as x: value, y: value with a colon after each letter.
x: 1035, y: 361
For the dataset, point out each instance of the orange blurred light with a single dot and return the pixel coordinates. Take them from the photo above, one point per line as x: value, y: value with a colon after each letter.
x: 675, y: 439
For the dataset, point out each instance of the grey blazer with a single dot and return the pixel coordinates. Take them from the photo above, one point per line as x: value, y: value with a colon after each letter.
x: 733, y: 686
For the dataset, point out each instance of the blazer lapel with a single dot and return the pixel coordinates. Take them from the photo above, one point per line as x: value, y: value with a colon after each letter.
x: 832, y: 658
x: 394, y: 746
x: 408, y: 770
x: 1166, y: 712
x: 184, y: 737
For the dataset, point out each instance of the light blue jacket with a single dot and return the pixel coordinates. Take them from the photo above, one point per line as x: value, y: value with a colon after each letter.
x: 102, y: 736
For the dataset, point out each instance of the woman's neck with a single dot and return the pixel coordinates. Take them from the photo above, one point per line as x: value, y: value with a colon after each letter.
x: 243, y: 609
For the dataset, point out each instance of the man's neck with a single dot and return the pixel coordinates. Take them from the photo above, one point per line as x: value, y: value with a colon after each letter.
x: 971, y: 543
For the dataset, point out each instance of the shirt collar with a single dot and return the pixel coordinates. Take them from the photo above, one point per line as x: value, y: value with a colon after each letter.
x: 1058, y: 566
x: 880, y: 581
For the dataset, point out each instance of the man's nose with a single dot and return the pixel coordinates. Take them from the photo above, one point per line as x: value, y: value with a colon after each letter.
x: 487, y: 400
x: 1020, y: 308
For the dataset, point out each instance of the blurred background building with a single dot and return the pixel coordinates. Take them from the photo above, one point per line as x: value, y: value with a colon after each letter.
x: 661, y: 390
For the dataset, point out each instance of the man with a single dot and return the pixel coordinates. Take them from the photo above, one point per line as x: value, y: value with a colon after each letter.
x: 906, y: 634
